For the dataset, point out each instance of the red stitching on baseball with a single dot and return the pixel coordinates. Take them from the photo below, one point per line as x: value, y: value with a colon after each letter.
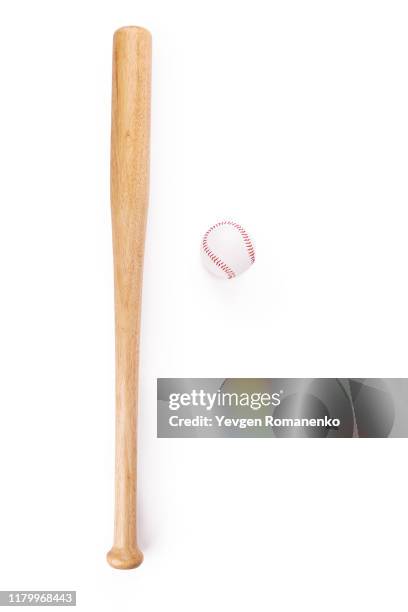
x: 249, y: 246
x: 216, y: 260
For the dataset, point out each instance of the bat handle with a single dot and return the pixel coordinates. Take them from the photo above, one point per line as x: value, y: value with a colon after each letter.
x: 129, y: 199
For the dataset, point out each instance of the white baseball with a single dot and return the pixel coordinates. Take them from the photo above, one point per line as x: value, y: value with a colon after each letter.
x: 227, y: 250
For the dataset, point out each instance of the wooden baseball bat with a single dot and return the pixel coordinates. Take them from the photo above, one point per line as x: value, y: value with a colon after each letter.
x: 129, y: 199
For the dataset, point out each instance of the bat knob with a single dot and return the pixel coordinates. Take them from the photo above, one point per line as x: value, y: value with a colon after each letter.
x: 124, y: 558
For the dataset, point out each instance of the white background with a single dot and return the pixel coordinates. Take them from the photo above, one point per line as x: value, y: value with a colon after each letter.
x: 291, y: 118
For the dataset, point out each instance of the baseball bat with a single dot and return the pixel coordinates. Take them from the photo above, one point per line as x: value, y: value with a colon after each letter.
x: 131, y: 76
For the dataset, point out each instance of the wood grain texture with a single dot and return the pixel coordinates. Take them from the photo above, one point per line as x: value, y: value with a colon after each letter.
x: 129, y: 198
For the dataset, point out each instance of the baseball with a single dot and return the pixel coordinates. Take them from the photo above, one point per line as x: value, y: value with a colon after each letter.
x: 227, y: 249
